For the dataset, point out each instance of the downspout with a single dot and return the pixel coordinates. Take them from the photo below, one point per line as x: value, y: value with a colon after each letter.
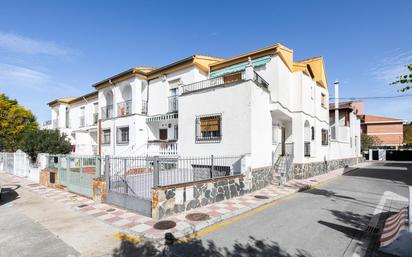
x: 336, y: 84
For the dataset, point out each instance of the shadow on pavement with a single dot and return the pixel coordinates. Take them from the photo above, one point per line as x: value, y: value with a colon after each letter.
x: 199, y: 248
x: 8, y: 194
x: 327, y: 193
x: 348, y: 231
x: 393, y: 171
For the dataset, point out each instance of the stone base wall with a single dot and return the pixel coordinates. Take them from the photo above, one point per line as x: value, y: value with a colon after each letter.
x: 99, y: 190
x: 261, y: 178
x: 168, y: 200
x: 307, y: 170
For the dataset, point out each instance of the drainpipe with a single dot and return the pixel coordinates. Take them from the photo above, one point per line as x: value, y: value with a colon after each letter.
x: 336, y: 84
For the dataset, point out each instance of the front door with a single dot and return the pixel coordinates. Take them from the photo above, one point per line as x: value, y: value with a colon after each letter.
x: 163, y: 134
x: 283, y: 140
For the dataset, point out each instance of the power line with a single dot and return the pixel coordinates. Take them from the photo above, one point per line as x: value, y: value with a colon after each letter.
x: 372, y: 97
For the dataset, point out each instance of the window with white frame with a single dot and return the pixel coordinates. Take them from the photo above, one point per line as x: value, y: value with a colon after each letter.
x: 122, y: 135
x: 325, y: 137
x: 106, y: 136
x: 323, y: 100
x: 209, y: 128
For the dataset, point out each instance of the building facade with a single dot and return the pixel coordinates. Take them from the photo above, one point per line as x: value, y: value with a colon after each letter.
x: 389, y: 131
x: 261, y: 105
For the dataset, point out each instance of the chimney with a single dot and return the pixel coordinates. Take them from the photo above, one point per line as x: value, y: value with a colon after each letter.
x: 336, y: 84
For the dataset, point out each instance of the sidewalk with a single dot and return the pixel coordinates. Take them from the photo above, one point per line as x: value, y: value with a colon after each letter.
x: 131, y: 223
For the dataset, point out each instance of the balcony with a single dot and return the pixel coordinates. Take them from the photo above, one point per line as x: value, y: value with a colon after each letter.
x: 47, y: 124
x: 209, y: 83
x: 307, y: 149
x: 124, y: 108
x: 173, y: 103
x: 107, y: 112
x: 144, y: 107
x: 159, y: 147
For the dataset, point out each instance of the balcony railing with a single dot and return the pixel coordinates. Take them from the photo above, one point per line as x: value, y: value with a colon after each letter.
x: 307, y: 149
x: 107, y: 112
x: 144, y: 107
x: 259, y: 80
x: 208, y: 83
x: 82, y: 122
x: 162, y: 148
x: 173, y: 103
x: 47, y: 123
x: 124, y: 108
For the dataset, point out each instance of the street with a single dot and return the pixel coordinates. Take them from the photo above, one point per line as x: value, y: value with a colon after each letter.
x: 328, y: 220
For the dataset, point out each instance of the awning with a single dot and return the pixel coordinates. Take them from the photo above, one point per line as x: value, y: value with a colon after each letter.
x: 240, y: 66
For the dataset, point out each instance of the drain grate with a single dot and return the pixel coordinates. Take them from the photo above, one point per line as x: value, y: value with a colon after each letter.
x: 164, y: 224
x: 197, y: 216
x: 83, y: 205
x: 110, y: 210
x: 372, y: 230
x: 261, y: 197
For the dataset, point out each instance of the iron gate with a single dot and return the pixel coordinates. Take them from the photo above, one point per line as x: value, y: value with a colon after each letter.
x: 77, y: 173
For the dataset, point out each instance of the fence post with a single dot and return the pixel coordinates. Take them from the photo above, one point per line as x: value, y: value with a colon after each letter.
x: 107, y: 171
x: 125, y: 176
x: 156, y: 171
x: 211, y: 166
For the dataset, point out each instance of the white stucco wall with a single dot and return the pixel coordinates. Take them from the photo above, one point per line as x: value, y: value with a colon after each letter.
x: 234, y: 105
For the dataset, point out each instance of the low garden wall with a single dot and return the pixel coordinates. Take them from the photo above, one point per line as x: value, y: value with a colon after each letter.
x: 172, y: 199
x: 49, y: 178
x: 307, y: 170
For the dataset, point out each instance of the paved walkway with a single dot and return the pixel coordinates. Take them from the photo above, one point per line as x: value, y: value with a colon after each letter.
x: 132, y: 223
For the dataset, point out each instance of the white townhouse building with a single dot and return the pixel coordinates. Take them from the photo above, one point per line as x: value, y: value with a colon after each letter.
x: 262, y: 105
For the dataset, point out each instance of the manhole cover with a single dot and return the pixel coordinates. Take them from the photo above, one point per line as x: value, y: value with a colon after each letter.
x: 110, y: 210
x: 261, y: 197
x: 164, y: 224
x: 83, y: 205
x: 197, y: 216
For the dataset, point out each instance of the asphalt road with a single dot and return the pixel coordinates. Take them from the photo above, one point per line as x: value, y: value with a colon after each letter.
x: 329, y: 220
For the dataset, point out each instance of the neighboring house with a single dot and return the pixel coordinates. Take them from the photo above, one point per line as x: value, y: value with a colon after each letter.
x: 260, y: 105
x: 346, y: 131
x: 388, y: 130
x: 77, y: 118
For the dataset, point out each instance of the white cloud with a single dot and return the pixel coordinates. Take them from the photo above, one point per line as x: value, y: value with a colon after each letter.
x: 24, y: 45
x: 13, y: 75
x: 388, y: 68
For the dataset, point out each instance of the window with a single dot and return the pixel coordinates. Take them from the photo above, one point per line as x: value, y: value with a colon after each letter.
x: 208, y: 128
x: 232, y: 77
x: 325, y: 137
x: 313, y: 133
x: 67, y: 117
x: 106, y: 136
x: 323, y: 100
x: 176, y: 132
x: 123, y: 135
x: 95, y: 113
x: 82, y: 123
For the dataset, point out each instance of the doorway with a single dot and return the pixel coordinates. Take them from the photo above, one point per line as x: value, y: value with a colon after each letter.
x: 163, y: 134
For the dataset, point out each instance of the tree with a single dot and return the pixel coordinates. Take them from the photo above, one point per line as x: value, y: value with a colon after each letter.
x: 44, y: 141
x: 15, y: 121
x: 407, y: 134
x: 368, y: 142
x: 405, y: 80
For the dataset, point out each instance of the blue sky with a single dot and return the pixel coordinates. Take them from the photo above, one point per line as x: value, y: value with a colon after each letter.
x: 52, y: 49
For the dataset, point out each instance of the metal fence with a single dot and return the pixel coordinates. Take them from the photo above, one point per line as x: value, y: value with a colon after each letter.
x: 225, y: 79
x: 136, y: 176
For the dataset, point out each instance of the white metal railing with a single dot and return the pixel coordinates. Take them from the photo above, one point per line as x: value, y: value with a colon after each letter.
x: 225, y: 79
x: 162, y: 148
x: 107, y: 112
x: 124, y: 108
